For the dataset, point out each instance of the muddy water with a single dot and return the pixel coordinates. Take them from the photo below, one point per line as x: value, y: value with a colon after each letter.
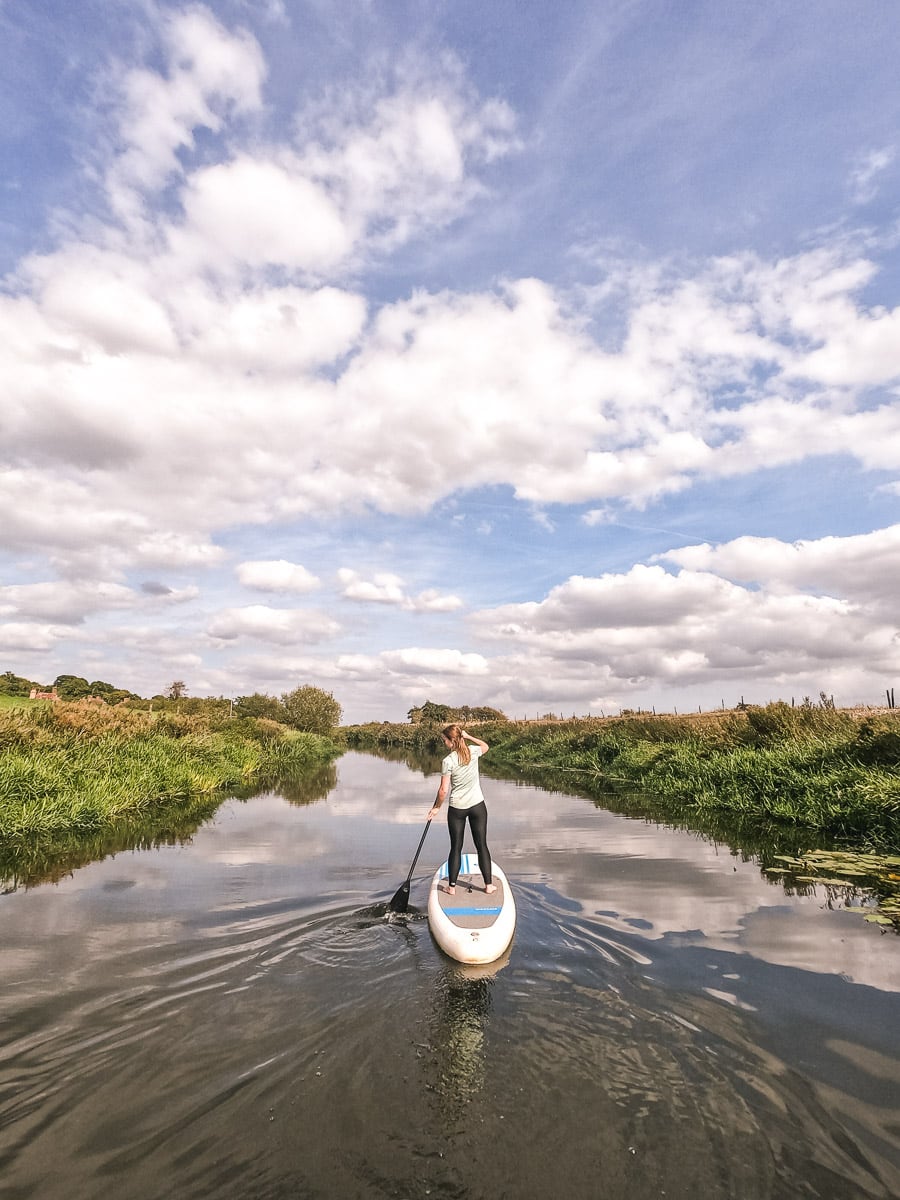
x: 239, y: 1017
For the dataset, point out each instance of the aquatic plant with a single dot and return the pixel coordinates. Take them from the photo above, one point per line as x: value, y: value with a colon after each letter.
x: 874, y: 878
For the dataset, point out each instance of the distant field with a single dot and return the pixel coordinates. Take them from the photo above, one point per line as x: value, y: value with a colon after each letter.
x: 18, y: 702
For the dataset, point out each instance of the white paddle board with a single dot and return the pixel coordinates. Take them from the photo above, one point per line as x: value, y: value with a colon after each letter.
x: 471, y: 926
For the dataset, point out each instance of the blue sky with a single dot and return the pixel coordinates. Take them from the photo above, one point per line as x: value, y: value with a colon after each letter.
x: 539, y: 356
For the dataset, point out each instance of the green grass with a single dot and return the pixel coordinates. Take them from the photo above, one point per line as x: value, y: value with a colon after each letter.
x: 80, y: 769
x: 830, y: 770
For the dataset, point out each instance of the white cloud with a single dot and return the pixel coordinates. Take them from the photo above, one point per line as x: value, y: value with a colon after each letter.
x: 210, y: 74
x: 277, y: 329
x: 598, y: 516
x: 258, y: 214
x: 435, y: 662
x: 386, y: 588
x: 277, y: 575
x: 382, y: 588
x: 217, y: 354
x: 646, y: 628
x: 864, y: 176
x: 63, y: 602
x: 863, y: 567
x: 398, y: 155
x: 432, y: 600
x: 29, y: 636
x: 282, y: 625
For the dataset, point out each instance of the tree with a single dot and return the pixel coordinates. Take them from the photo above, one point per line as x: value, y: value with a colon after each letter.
x: 16, y: 685
x: 177, y: 689
x: 311, y: 710
x: 71, y: 687
x: 110, y: 693
x: 259, y: 705
x: 439, y: 713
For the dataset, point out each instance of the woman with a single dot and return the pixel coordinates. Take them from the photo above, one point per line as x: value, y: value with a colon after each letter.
x: 459, y: 777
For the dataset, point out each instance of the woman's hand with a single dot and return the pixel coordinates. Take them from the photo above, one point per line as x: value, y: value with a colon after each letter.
x: 433, y: 812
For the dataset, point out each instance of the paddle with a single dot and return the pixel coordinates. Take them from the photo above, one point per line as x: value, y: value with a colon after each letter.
x: 400, y: 899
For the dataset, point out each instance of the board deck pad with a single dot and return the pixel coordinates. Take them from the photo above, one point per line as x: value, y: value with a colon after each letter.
x: 471, y: 907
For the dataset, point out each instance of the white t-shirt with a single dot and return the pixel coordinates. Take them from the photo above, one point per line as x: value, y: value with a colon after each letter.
x: 465, y: 786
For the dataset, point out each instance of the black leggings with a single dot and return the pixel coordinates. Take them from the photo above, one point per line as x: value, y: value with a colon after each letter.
x: 456, y: 821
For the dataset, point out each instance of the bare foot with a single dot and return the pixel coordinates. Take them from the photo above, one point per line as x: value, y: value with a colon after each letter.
x: 490, y: 887
x: 451, y: 888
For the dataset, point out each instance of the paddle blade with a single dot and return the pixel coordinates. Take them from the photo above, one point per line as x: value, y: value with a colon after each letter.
x: 400, y: 899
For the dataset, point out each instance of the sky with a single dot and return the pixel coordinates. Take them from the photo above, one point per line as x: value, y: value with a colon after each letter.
x: 543, y: 357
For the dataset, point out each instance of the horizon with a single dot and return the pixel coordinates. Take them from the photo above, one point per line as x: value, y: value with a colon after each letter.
x: 423, y: 350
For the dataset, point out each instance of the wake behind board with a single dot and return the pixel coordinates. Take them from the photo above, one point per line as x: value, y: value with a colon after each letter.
x: 471, y: 926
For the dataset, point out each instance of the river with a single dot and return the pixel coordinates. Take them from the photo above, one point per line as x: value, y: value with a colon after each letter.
x: 239, y: 1017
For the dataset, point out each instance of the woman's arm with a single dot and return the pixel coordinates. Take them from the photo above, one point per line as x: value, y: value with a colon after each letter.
x: 483, y: 746
x: 440, y: 797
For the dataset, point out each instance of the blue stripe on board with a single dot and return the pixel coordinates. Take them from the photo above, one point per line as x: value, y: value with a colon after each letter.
x: 467, y: 866
x: 471, y: 912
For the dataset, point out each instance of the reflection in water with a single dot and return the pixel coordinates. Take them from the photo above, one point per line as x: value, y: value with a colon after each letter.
x: 241, y: 1017
x: 47, y: 860
x: 420, y: 761
x: 312, y: 784
x: 747, y: 835
x: 461, y: 1006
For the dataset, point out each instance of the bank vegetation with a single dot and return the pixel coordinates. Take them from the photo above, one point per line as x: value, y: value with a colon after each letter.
x: 79, y: 768
x: 835, y: 771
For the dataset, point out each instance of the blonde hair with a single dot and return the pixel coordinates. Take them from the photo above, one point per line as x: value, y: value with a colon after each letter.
x: 454, y: 736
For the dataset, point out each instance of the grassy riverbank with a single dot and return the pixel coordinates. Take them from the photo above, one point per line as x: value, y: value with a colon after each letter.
x: 79, y: 768
x: 831, y: 770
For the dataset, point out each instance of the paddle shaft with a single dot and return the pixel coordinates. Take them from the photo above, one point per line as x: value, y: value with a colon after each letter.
x: 418, y: 850
x: 400, y: 899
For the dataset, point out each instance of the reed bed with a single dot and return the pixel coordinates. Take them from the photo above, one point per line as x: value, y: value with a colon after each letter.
x: 836, y: 771
x: 80, y: 768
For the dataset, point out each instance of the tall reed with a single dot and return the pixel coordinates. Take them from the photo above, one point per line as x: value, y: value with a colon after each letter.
x: 79, y: 768
x: 832, y: 770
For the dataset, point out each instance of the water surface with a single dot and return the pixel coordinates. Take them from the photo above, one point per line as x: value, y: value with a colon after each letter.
x: 240, y: 1017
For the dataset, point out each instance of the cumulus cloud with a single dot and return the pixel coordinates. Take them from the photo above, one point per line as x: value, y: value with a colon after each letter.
x: 398, y: 154
x: 62, y: 602
x: 209, y: 74
x: 206, y: 357
x: 753, y: 616
x: 72, y: 602
x: 134, y: 368
x: 862, y: 567
x: 434, y: 662
x: 386, y: 588
x: 29, y: 636
x: 225, y: 222
x: 647, y: 628
x: 282, y: 625
x: 277, y: 575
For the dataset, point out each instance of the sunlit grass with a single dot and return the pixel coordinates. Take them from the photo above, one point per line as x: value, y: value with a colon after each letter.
x: 70, y: 768
x: 758, y: 779
x: 832, y: 770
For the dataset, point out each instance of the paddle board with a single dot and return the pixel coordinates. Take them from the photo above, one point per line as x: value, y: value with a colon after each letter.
x: 471, y: 926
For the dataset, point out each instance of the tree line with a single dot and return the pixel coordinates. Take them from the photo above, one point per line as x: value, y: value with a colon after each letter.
x: 442, y: 714
x: 306, y: 708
